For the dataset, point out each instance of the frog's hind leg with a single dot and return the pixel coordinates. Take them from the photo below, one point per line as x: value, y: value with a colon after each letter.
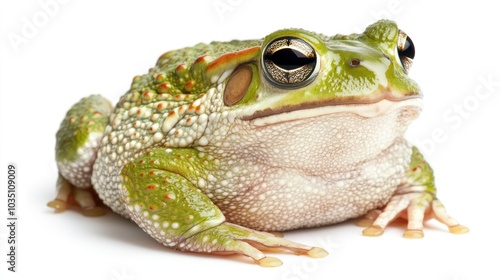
x: 417, y: 195
x: 78, y: 140
x: 162, y: 196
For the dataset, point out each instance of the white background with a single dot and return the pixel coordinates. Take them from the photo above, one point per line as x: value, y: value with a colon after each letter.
x: 84, y: 47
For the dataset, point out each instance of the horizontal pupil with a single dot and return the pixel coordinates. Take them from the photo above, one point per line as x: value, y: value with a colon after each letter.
x: 408, y: 49
x: 290, y: 59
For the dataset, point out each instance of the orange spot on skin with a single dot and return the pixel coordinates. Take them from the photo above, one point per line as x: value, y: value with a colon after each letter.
x: 181, y: 67
x: 152, y: 207
x: 97, y: 113
x: 201, y: 59
x: 142, y: 175
x: 165, y: 87
x: 160, y: 106
x: 72, y: 120
x: 167, y: 196
x: 150, y: 187
x: 200, y: 109
x: 171, y: 114
x: 160, y: 78
x: 152, y: 172
x: 138, y: 112
x: 189, y: 85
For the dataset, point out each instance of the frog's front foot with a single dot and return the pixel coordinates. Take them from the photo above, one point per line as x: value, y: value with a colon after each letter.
x: 68, y: 194
x: 419, y: 207
x: 415, y: 199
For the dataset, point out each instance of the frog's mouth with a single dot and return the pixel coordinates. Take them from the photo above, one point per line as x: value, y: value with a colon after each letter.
x: 305, y: 111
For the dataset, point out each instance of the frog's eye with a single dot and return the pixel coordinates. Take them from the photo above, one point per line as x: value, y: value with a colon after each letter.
x: 289, y: 62
x: 406, y: 50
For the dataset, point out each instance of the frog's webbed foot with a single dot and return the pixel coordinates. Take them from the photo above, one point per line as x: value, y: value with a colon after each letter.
x: 415, y: 199
x: 68, y: 194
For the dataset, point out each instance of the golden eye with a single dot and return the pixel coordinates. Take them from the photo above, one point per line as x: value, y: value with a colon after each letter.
x: 290, y: 62
x: 406, y: 50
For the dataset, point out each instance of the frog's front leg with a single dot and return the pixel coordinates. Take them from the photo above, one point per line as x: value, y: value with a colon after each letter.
x: 416, y: 195
x: 162, y: 197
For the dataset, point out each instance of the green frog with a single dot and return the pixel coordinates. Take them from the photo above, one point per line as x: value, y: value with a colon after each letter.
x: 222, y: 145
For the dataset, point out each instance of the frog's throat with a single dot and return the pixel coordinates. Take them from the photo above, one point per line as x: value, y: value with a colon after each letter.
x: 367, y: 110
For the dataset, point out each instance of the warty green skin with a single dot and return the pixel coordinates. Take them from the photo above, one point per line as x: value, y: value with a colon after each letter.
x: 188, y: 168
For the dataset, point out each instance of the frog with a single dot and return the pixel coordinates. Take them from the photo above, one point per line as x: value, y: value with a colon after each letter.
x: 221, y: 147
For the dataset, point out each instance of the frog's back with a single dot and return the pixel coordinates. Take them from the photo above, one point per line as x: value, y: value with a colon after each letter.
x: 167, y: 107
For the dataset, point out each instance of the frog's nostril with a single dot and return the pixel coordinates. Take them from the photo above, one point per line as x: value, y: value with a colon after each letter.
x: 355, y: 62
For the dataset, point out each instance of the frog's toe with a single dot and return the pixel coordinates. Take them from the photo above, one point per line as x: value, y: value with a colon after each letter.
x: 317, y: 252
x: 458, y: 229
x: 87, y: 201
x: 368, y: 219
x: 440, y: 214
x: 93, y: 211
x: 413, y: 233
x: 58, y: 205
x: 373, y: 231
x: 269, y: 262
x: 64, y: 189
